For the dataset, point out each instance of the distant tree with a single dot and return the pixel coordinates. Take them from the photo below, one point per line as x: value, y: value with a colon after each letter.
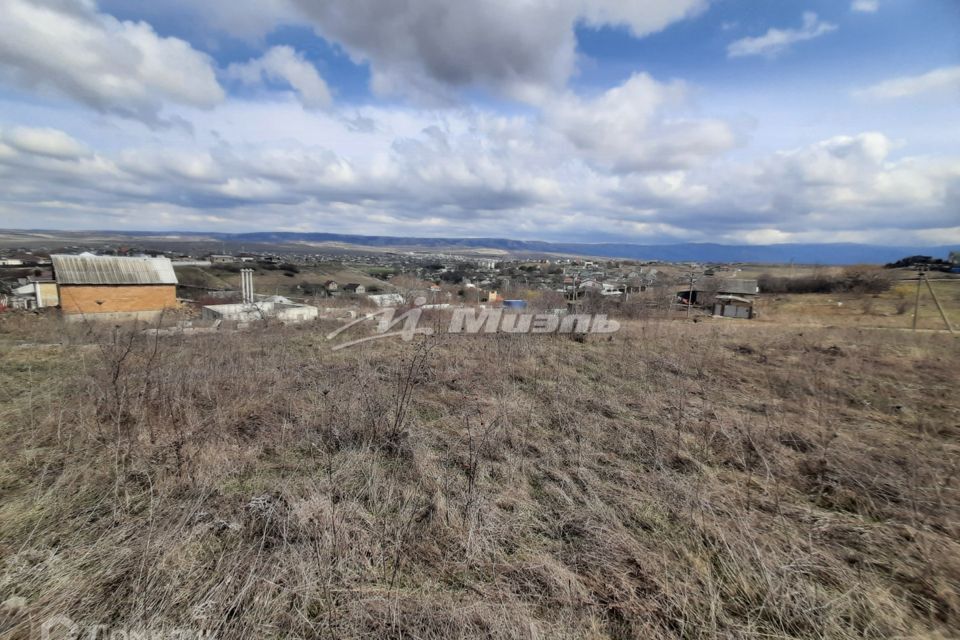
x: 452, y: 276
x: 911, y: 261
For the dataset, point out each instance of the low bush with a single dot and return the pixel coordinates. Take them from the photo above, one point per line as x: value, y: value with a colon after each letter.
x: 858, y: 279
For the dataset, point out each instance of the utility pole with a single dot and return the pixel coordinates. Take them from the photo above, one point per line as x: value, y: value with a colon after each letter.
x: 916, y: 300
x: 690, y: 294
x: 937, y: 302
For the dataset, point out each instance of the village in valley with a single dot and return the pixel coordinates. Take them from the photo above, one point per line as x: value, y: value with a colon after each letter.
x: 215, y: 285
x: 197, y: 288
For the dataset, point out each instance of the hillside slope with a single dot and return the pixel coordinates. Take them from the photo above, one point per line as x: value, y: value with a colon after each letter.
x: 669, y: 481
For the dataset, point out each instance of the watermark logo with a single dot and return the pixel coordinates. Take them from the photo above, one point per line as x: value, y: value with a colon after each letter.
x: 469, y: 320
x: 60, y: 627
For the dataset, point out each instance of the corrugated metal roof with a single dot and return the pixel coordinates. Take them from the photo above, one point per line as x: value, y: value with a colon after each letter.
x: 89, y: 269
x: 738, y: 286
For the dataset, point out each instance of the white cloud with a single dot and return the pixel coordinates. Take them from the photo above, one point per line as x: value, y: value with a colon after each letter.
x: 626, y: 128
x: 425, y: 49
x: 865, y: 6
x: 67, y: 47
x: 642, y: 18
x: 431, y: 48
x: 776, y: 41
x: 472, y: 172
x: 942, y: 79
x: 283, y: 63
x: 44, y: 142
x: 850, y: 182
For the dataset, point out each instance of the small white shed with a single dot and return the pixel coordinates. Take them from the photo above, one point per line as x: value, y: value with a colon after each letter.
x: 728, y: 306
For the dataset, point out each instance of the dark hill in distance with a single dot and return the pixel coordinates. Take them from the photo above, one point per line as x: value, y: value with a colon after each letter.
x: 290, y: 242
x: 838, y: 253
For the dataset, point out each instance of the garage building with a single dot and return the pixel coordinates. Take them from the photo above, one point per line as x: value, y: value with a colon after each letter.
x: 114, y: 288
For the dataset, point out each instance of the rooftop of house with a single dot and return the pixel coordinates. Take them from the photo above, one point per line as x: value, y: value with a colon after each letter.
x: 112, y: 270
x: 738, y: 286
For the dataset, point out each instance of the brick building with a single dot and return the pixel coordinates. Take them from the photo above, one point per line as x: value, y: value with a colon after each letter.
x: 114, y: 288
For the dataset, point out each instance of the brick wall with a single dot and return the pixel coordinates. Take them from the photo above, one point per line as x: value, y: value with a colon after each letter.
x: 90, y: 299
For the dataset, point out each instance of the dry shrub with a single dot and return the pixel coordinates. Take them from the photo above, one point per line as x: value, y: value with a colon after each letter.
x: 861, y: 279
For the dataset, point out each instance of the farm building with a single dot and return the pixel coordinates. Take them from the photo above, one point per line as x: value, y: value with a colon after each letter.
x: 729, y: 306
x: 707, y: 289
x: 281, y: 309
x: 114, y: 288
x: 737, y: 287
x: 35, y: 294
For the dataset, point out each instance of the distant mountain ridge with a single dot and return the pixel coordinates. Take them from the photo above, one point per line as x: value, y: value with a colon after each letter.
x: 825, y: 254
x: 833, y: 253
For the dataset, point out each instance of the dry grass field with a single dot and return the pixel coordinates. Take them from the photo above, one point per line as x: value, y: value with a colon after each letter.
x: 889, y: 309
x: 671, y: 480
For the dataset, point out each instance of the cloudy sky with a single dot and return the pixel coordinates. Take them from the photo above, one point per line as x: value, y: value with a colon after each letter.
x: 739, y: 121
